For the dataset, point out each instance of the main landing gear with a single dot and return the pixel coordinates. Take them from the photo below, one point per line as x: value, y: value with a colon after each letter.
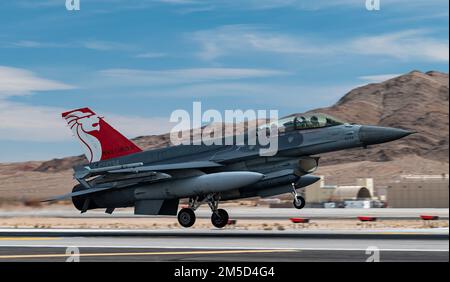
x: 299, y: 202
x: 219, y: 217
x: 186, y: 217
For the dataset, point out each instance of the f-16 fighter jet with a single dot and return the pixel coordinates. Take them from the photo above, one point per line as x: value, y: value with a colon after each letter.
x: 120, y: 174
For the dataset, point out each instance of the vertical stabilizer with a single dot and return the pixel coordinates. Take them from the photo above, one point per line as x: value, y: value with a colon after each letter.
x: 99, y: 140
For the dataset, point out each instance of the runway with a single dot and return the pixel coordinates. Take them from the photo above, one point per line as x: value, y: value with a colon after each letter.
x: 223, y: 245
x: 241, y: 213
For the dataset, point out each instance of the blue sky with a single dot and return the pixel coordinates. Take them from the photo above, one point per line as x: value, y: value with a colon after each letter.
x: 136, y: 61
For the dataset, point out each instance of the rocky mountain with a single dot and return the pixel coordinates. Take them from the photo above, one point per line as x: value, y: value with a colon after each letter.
x: 416, y: 101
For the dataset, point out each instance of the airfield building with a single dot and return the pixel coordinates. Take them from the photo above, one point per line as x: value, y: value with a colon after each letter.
x: 319, y: 192
x: 419, y: 191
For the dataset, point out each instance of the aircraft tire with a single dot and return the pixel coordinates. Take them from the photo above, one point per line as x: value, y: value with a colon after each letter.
x: 299, y: 203
x: 186, y: 217
x: 221, y: 219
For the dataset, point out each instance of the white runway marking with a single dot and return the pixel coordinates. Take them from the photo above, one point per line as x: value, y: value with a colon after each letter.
x: 225, y: 248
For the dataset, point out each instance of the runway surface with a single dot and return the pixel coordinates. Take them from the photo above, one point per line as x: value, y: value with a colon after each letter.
x: 241, y: 213
x: 223, y: 245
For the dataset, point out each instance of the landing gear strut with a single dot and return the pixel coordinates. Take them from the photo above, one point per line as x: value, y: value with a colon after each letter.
x: 219, y: 217
x: 299, y: 202
x: 186, y: 216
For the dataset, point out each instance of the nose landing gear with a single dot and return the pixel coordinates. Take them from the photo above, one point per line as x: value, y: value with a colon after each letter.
x: 299, y: 202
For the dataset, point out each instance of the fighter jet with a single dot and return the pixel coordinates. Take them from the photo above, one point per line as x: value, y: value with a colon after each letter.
x: 120, y: 174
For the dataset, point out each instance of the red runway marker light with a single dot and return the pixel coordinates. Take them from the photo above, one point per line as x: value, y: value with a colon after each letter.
x: 367, y: 218
x: 299, y: 220
x: 429, y: 217
x: 232, y: 222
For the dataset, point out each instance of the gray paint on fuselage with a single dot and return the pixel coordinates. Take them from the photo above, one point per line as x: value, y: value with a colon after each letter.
x: 291, y: 144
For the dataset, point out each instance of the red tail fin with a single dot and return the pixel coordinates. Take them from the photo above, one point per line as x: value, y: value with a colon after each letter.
x: 98, y: 138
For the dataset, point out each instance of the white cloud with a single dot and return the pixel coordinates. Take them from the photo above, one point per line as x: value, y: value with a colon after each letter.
x: 38, y: 44
x: 405, y: 45
x: 22, y: 122
x: 98, y: 45
x: 38, y: 4
x: 16, y: 81
x: 27, y: 44
x: 268, y: 4
x: 19, y: 121
x: 296, y: 97
x: 39, y: 123
x: 31, y: 123
x: 378, y: 77
x: 327, y: 4
x: 413, y: 45
x: 226, y: 40
x: 107, y: 45
x: 151, y: 55
x: 178, y: 76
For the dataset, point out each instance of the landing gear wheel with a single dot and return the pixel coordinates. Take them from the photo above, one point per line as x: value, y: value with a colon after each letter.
x: 299, y: 202
x: 186, y: 217
x: 219, y: 219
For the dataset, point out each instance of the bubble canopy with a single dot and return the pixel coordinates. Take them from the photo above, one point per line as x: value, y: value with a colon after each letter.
x: 303, y: 121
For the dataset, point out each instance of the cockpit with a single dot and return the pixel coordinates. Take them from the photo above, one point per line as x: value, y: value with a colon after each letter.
x: 303, y: 121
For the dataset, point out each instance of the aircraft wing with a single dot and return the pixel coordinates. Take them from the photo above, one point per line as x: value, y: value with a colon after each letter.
x: 87, y: 171
x: 150, y: 172
x: 173, y: 166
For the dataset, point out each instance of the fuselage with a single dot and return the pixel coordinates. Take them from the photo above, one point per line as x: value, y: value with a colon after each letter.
x: 292, y: 163
x: 275, y: 158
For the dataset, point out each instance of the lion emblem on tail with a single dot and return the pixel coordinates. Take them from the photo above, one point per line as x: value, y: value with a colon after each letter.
x: 83, y: 124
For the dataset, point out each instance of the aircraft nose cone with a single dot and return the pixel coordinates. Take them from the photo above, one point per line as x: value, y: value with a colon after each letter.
x: 369, y: 135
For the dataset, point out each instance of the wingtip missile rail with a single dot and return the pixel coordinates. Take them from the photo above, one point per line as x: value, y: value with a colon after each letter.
x: 86, y: 171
